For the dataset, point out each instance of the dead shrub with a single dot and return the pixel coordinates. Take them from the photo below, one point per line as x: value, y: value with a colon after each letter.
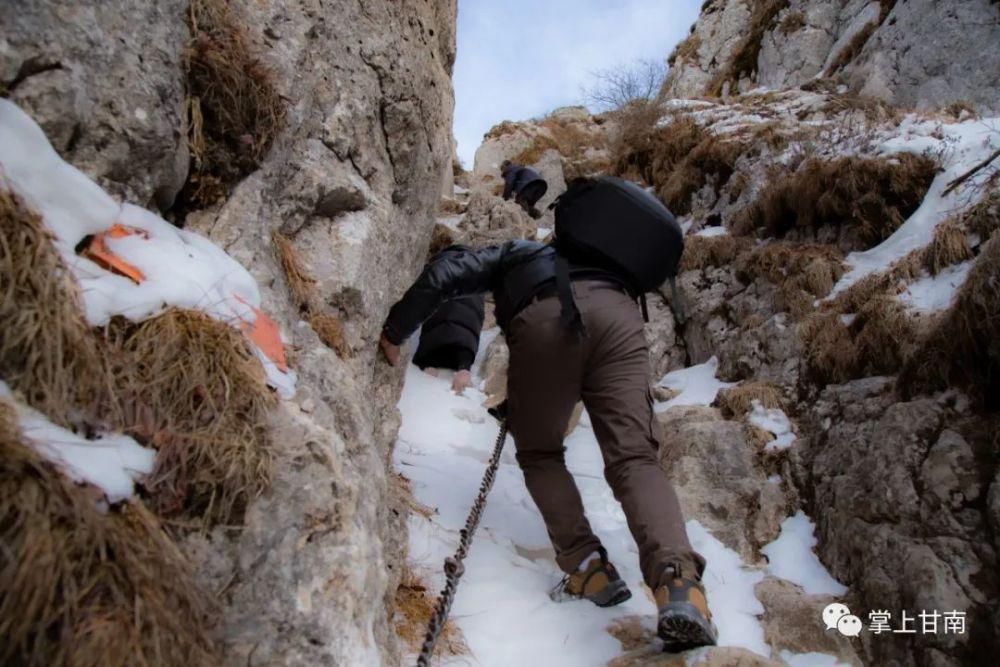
x: 235, y: 110
x: 947, y: 248
x: 962, y: 349
x: 84, y: 586
x: 413, y: 608
x: 743, y: 61
x: 701, y: 252
x: 737, y: 401
x: 857, y: 202
x: 46, y: 350
x: 192, y: 387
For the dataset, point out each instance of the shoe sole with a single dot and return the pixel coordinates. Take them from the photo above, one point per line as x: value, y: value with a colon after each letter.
x: 684, y: 628
x: 614, y: 593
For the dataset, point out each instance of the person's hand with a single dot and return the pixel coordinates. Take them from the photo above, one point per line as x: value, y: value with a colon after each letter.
x: 390, y: 350
x: 461, y: 380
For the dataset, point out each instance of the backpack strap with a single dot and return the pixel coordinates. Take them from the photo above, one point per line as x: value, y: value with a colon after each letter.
x: 569, y: 314
x: 676, y: 302
x: 645, y: 311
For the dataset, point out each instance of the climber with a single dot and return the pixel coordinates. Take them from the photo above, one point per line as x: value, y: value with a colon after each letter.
x: 449, y: 338
x: 551, y: 367
x: 525, y: 185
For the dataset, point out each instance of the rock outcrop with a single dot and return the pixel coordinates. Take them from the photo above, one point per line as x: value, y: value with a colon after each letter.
x: 884, y: 49
x: 349, y: 187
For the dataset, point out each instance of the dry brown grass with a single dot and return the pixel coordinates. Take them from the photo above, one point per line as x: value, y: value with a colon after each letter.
x: 182, y: 382
x: 961, y: 348
x: 330, y: 330
x: 300, y: 283
x: 737, y: 401
x: 743, y: 61
x: 441, y: 237
x: 302, y: 288
x: 701, y: 252
x: 501, y: 129
x: 677, y: 159
x: 449, y: 206
x: 540, y: 143
x: 192, y: 386
x: 792, y: 21
x: 82, y: 586
x: 235, y: 110
x: 853, y: 48
x: 983, y: 219
x: 814, y: 268
x: 959, y: 108
x: 859, y: 201
x: 685, y: 49
x: 413, y: 608
x: 948, y: 247
x: 46, y: 350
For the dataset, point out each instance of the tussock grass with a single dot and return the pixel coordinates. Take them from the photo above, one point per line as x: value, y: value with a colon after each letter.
x: 235, y: 110
x: 684, y: 50
x: 182, y: 382
x: 859, y: 201
x: 948, y: 247
x: 961, y: 348
x: 701, y: 252
x: 501, y: 129
x: 46, y: 350
x: 677, y: 159
x: 192, y: 387
x: 983, y: 219
x: 737, y: 401
x: 814, y: 268
x: 791, y: 22
x: 540, y: 143
x: 330, y: 330
x: 82, y: 586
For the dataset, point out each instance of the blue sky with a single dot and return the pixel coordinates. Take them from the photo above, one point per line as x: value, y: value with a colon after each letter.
x: 519, y: 59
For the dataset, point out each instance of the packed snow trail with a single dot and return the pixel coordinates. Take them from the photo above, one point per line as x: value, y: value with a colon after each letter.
x: 502, y: 605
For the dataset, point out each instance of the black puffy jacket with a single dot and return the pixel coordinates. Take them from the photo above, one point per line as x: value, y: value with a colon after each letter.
x: 517, y: 178
x: 456, y: 324
x: 515, y: 272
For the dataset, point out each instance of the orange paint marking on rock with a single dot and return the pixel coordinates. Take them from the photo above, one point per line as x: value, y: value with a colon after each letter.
x: 98, y: 252
x: 264, y: 333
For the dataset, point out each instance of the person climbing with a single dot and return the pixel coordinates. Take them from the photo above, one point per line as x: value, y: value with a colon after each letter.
x: 449, y: 338
x: 575, y: 332
x: 525, y: 185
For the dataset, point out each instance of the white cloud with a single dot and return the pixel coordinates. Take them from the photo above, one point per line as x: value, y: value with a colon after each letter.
x: 519, y: 59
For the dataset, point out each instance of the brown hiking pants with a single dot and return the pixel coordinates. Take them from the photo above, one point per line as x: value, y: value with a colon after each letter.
x: 550, y: 370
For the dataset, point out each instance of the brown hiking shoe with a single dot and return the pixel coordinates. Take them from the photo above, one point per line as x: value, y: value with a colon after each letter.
x: 685, y: 621
x: 599, y: 583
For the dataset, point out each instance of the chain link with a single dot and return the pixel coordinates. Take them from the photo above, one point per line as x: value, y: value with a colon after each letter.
x: 453, y: 566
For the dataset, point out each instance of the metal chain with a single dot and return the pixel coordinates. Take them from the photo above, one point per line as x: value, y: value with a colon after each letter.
x: 453, y: 567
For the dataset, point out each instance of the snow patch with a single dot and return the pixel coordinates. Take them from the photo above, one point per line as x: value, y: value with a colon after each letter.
x: 181, y: 268
x: 791, y: 557
x: 961, y: 147
x: 811, y: 659
x: 111, y: 461
x: 729, y: 587
x: 934, y: 293
x: 697, y: 385
x: 712, y: 231
x: 775, y: 422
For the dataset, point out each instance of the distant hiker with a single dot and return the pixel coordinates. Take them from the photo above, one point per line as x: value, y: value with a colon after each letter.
x: 450, y: 337
x: 525, y: 185
x: 575, y: 332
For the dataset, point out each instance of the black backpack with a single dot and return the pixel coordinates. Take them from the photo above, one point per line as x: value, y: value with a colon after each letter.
x: 614, y: 224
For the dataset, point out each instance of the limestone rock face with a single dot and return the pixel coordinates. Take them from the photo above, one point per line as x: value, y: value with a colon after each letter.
x: 352, y: 181
x: 904, y: 526
x: 713, y: 466
x: 889, y: 50
x: 490, y: 220
x: 105, y: 83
